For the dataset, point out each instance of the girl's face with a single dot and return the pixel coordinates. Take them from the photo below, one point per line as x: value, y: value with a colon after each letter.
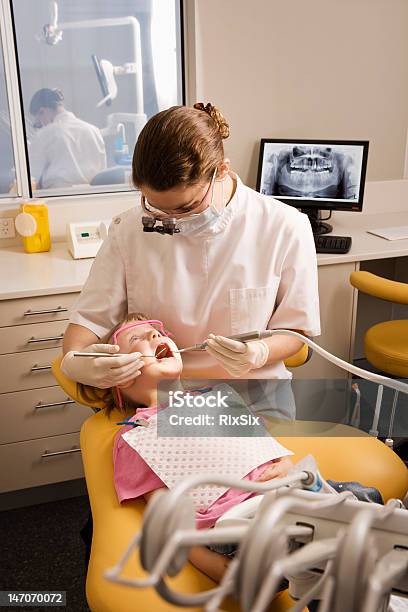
x: 160, y: 360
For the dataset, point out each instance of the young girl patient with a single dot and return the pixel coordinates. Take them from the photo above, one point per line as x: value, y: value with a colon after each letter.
x: 133, y: 476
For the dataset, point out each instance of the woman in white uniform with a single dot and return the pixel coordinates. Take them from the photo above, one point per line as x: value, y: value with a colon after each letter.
x: 219, y: 259
x: 66, y: 151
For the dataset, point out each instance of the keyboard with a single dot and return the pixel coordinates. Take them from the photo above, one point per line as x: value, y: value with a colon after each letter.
x: 332, y: 244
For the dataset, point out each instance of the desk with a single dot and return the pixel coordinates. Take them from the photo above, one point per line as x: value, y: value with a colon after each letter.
x: 39, y: 274
x: 366, y: 246
x: 338, y: 299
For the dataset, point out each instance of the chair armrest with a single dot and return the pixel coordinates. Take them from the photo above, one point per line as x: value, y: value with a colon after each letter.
x: 299, y: 358
x: 383, y: 288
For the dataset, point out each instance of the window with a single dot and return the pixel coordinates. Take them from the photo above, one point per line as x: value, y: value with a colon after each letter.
x: 91, y: 73
x: 7, y: 166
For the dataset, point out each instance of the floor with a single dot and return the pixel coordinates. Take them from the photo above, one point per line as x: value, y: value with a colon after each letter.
x: 41, y: 549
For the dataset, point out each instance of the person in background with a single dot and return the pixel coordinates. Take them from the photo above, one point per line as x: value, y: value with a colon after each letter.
x: 66, y: 151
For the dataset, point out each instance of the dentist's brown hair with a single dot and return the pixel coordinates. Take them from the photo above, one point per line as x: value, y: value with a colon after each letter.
x: 179, y: 146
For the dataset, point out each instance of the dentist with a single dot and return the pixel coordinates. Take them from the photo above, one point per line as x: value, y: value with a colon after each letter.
x: 202, y: 252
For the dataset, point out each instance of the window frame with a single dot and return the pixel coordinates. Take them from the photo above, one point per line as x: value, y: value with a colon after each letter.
x: 8, y: 44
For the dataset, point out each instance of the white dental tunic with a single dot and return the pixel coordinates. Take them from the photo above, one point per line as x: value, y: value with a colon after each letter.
x: 66, y: 152
x: 254, y: 268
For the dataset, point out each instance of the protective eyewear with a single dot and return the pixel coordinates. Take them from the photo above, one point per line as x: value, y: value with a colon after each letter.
x: 169, y: 219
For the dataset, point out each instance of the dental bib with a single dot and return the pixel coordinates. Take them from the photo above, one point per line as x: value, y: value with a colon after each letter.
x: 175, y: 458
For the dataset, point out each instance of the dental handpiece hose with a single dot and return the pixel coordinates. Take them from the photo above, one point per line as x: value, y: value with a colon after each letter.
x: 349, y: 367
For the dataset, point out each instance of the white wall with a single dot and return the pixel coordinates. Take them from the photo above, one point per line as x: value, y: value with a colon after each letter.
x: 323, y: 68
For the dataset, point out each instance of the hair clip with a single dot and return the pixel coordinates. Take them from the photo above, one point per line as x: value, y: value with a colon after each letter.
x: 207, y: 108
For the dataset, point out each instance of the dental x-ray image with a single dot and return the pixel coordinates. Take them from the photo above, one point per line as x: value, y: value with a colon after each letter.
x: 312, y: 170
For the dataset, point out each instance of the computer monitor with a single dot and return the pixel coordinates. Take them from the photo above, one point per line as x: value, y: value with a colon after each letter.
x: 314, y: 175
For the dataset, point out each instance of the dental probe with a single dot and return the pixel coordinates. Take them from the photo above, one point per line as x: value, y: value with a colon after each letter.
x: 79, y: 354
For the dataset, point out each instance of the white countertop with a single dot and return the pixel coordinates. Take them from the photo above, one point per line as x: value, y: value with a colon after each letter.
x: 30, y: 274
x: 366, y: 246
x: 27, y: 275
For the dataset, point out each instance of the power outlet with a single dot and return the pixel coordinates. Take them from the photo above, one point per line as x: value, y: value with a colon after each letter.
x: 7, y: 229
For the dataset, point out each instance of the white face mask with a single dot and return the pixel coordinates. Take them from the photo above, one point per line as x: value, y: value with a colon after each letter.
x: 203, y: 221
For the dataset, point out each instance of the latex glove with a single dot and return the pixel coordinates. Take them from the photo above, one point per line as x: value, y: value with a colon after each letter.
x: 278, y: 469
x: 236, y: 357
x: 102, y: 372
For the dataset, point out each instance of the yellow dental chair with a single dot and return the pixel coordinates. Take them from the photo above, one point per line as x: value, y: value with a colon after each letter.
x: 385, y: 344
x: 364, y: 459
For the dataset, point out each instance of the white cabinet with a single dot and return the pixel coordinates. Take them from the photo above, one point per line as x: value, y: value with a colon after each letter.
x: 39, y: 424
x: 337, y: 316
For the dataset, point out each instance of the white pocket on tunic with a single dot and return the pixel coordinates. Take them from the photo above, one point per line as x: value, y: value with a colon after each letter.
x: 252, y: 307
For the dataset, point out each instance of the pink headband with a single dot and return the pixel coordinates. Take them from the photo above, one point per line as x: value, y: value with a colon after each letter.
x: 125, y: 327
x: 131, y: 324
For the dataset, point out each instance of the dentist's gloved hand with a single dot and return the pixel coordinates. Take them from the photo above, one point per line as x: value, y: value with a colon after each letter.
x: 102, y: 372
x: 236, y: 357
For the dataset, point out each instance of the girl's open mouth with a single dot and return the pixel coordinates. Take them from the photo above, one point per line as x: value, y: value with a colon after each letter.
x: 163, y: 351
